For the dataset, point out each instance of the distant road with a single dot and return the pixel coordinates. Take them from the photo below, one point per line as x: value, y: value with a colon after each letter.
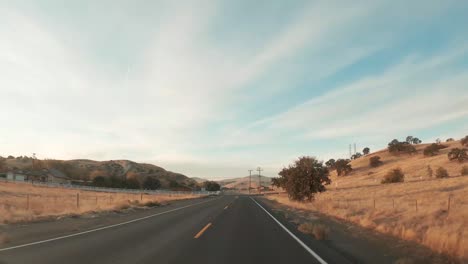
x: 225, y: 229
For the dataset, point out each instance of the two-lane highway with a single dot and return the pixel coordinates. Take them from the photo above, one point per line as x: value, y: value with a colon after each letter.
x: 226, y: 229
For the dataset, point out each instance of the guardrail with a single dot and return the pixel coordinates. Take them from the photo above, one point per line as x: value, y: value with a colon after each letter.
x: 111, y: 190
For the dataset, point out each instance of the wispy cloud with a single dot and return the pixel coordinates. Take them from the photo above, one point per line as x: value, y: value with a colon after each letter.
x: 162, y: 88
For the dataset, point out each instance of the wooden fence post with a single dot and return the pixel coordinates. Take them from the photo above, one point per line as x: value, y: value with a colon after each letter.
x: 374, y: 203
x: 141, y: 197
x: 416, y: 205
x: 78, y: 200
x: 27, y: 202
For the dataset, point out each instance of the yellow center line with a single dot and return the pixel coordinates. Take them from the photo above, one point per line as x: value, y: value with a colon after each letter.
x: 226, y: 207
x: 199, y: 234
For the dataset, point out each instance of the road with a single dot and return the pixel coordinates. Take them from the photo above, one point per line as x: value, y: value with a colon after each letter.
x: 225, y: 229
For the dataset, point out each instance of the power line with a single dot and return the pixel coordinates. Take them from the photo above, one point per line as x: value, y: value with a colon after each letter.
x: 259, y: 179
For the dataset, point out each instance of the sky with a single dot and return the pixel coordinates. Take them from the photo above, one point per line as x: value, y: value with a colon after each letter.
x: 214, y: 88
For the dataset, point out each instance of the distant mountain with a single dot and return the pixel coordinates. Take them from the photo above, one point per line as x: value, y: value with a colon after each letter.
x: 243, y: 183
x: 83, y: 169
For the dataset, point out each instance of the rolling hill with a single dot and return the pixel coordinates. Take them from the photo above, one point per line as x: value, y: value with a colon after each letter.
x: 243, y: 182
x: 86, y: 170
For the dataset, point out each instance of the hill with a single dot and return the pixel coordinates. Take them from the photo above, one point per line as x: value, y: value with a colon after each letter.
x: 425, y: 209
x: 243, y: 182
x: 86, y: 170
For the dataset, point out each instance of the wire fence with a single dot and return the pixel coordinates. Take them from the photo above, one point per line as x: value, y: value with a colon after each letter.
x: 24, y: 201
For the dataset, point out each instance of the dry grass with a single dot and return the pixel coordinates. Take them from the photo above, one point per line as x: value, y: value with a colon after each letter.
x: 52, y: 202
x: 319, y: 231
x: 415, y: 210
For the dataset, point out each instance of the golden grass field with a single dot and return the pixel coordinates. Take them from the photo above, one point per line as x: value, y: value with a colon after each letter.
x: 53, y: 202
x: 415, y: 210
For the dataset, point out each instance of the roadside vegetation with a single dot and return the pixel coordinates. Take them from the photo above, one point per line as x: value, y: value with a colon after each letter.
x: 429, y: 204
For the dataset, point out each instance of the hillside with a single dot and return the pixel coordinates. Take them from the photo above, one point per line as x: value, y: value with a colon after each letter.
x: 86, y: 170
x: 428, y: 210
x: 243, y: 183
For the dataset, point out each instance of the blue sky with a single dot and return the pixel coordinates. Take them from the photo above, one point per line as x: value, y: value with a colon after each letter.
x: 214, y: 88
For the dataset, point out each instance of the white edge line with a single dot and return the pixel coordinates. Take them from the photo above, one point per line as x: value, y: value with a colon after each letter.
x: 101, y: 228
x: 292, y: 235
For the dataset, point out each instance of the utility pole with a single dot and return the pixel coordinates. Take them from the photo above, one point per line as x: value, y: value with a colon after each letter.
x: 250, y: 179
x: 259, y: 179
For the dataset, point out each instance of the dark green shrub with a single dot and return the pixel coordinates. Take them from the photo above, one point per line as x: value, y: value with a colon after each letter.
x: 375, y: 161
x: 433, y: 149
x: 458, y: 154
x: 343, y: 167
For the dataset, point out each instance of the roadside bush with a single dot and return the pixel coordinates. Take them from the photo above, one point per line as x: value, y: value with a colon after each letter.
x: 464, y: 171
x: 394, y: 176
x: 212, y: 186
x: 356, y: 155
x: 441, y: 173
x: 458, y: 154
x: 464, y: 141
x: 303, y: 179
x: 433, y: 149
x: 375, y: 161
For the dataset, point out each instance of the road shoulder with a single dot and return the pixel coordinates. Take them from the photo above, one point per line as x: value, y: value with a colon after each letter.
x: 357, y: 244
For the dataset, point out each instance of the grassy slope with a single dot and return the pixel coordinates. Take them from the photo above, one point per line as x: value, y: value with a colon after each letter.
x: 430, y: 223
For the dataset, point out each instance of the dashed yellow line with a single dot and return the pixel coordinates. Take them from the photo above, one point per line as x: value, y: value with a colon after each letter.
x: 199, y: 234
x: 226, y: 207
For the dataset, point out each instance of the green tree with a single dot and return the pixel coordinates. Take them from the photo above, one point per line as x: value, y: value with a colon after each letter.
x: 356, y: 155
x: 397, y: 147
x: 330, y: 164
x: 100, y: 181
x: 343, y: 167
x: 366, y: 151
x: 303, y: 179
x: 132, y: 183
x: 151, y: 183
x: 212, y: 186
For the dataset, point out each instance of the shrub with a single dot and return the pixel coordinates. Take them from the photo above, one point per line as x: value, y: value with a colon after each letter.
x: 375, y: 161
x: 458, y: 154
x: 464, y: 171
x: 429, y: 171
x: 303, y: 179
x: 464, y: 141
x: 343, y: 167
x: 441, y: 173
x: 413, y: 140
x: 393, y: 176
x: 152, y: 204
x: 433, y: 149
x: 449, y: 140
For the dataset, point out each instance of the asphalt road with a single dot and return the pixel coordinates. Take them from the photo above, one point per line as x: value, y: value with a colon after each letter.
x: 226, y: 229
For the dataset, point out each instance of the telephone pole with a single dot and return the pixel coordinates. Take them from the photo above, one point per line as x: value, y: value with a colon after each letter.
x: 250, y: 179
x: 259, y: 179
